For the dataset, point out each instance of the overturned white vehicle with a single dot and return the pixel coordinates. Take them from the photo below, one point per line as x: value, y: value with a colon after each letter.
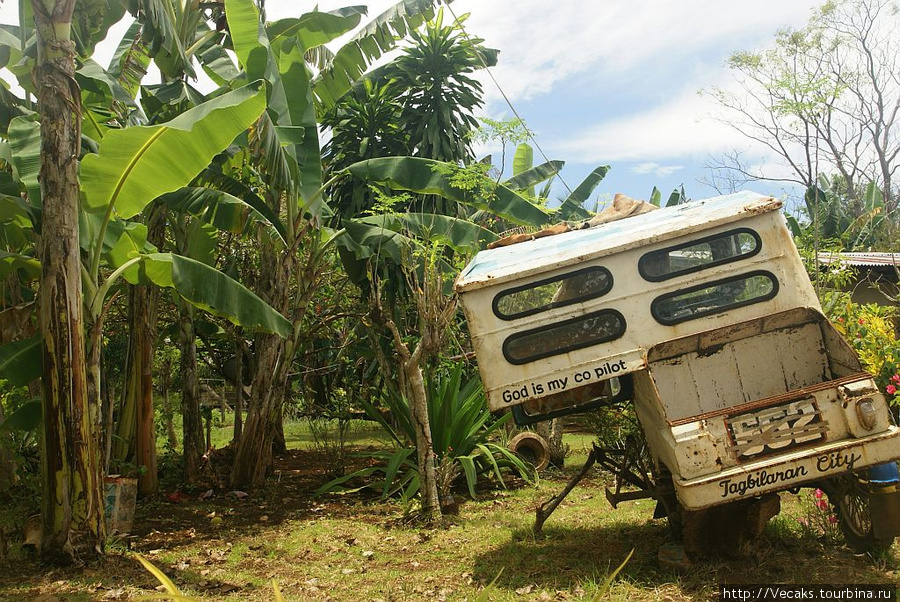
x: 702, y: 316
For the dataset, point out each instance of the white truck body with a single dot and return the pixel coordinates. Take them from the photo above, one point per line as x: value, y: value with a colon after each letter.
x: 740, y: 383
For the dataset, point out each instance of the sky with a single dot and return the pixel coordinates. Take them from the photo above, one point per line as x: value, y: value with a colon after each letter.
x: 611, y: 83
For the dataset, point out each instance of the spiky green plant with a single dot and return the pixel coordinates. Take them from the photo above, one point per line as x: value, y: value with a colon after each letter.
x: 461, y: 432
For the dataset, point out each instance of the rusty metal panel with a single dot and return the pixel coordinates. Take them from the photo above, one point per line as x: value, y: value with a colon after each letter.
x: 806, y: 361
x: 716, y: 380
x: 733, y: 373
x: 841, y: 357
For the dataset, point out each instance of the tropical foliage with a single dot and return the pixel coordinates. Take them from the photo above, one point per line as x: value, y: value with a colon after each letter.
x: 463, y: 436
x: 216, y: 238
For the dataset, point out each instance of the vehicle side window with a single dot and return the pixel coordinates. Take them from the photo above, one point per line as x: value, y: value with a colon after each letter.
x: 700, y: 254
x: 714, y: 297
x: 565, y: 289
x: 565, y: 336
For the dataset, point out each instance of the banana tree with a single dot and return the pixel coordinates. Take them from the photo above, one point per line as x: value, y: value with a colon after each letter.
x: 134, y: 166
x: 285, y: 146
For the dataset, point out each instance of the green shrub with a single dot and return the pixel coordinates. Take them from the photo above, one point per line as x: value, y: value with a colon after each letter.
x: 461, y: 430
x: 869, y: 328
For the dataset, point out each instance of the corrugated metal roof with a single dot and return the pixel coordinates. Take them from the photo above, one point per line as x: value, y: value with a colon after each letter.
x: 861, y: 259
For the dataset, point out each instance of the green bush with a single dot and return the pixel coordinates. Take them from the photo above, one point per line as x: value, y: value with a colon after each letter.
x: 869, y: 328
x: 461, y: 430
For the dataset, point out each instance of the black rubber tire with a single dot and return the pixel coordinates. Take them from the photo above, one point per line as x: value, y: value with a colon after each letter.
x: 850, y: 500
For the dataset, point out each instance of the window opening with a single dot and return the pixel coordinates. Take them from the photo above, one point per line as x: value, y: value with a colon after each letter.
x: 714, y: 297
x: 701, y: 254
x: 562, y: 337
x: 559, y: 291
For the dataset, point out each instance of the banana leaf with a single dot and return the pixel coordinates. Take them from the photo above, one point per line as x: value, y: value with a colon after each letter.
x: 420, y: 176
x: 210, y: 290
x: 527, y: 179
x: 26, y: 417
x: 224, y: 211
x: 316, y: 28
x: 366, y: 46
x: 25, y: 145
x: 572, y: 207
x: 137, y: 164
x: 21, y: 361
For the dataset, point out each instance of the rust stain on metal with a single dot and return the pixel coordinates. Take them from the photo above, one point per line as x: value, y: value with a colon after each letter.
x: 774, y: 400
x: 762, y: 206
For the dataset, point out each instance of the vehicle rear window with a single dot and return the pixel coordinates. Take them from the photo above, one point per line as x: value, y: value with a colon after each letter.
x: 714, y: 297
x: 562, y: 337
x: 699, y: 254
x: 558, y: 291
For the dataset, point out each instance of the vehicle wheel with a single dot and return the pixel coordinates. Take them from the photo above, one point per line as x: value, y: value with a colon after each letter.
x: 850, y: 500
x: 733, y: 530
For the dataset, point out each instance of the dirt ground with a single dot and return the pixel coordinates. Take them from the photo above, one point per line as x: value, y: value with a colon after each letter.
x: 217, y: 544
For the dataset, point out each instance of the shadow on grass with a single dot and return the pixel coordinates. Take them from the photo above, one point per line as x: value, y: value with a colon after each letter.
x: 566, y: 558
x: 563, y: 558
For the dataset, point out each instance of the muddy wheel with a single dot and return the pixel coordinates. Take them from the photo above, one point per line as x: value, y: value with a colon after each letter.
x: 667, y: 504
x: 850, y: 500
x: 733, y: 530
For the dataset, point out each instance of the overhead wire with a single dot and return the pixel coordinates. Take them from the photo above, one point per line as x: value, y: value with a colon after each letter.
x: 509, y: 103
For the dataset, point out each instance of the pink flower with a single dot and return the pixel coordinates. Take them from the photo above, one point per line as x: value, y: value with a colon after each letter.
x: 818, y: 494
x: 896, y: 378
x: 832, y: 519
x: 822, y: 504
x: 891, y: 389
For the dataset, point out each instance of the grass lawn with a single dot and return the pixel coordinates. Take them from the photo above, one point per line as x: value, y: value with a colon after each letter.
x: 352, y: 547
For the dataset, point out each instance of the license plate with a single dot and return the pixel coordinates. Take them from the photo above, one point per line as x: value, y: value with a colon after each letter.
x: 776, y: 429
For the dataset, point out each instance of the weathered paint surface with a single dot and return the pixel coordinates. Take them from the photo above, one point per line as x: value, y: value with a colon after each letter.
x: 619, y: 251
x: 787, y: 471
x: 737, y: 400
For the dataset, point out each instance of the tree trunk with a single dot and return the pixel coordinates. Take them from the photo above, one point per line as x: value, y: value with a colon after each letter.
x: 239, y: 387
x: 164, y: 383
x: 192, y: 426
x: 418, y: 408
x: 7, y: 463
x: 71, y: 503
x: 254, y: 452
x: 552, y: 432
x: 143, y: 331
x: 279, y: 442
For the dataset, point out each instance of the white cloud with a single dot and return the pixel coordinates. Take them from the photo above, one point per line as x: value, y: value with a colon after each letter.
x: 541, y: 46
x: 656, y: 169
x: 676, y: 129
x: 610, y: 48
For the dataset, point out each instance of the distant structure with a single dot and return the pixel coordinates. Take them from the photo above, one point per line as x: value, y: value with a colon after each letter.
x: 877, y: 275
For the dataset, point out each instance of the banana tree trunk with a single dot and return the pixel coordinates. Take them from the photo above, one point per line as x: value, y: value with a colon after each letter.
x: 165, y: 380
x: 71, y: 502
x: 7, y: 463
x: 144, y: 332
x: 239, y: 345
x: 254, y: 452
x: 192, y: 425
x: 135, y: 440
